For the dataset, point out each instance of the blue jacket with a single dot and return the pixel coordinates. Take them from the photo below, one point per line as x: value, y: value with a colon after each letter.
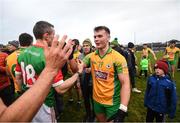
x: 161, y: 95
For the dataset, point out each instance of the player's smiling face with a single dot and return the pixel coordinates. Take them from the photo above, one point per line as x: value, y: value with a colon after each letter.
x: 101, y: 39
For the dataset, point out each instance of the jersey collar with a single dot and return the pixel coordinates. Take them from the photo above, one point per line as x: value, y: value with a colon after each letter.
x: 107, y: 52
x: 38, y: 45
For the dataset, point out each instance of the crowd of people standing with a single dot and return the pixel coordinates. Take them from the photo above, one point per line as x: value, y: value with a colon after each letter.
x: 35, y: 76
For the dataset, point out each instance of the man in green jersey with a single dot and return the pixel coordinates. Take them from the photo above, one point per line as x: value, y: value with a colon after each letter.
x: 31, y: 63
x: 26, y: 106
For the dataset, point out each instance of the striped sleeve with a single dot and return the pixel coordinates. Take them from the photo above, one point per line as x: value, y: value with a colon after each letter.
x: 58, y: 80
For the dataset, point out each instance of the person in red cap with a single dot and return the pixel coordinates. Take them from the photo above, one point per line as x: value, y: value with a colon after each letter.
x: 160, y: 96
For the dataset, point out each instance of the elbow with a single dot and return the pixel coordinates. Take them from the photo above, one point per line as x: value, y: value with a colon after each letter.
x: 60, y: 90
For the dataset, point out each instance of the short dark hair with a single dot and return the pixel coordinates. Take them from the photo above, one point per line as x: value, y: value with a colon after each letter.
x: 145, y: 44
x: 130, y: 45
x: 144, y: 56
x: 76, y: 41
x: 173, y: 41
x: 102, y: 28
x: 25, y: 39
x: 42, y: 27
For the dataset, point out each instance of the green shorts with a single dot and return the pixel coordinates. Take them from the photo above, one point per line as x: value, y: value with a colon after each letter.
x: 173, y: 62
x: 108, y: 110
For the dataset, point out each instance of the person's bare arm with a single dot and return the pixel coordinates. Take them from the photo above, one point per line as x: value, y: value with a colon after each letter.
x: 125, y: 97
x: 165, y: 53
x: 69, y: 82
x: 125, y: 88
x: 26, y: 106
x: 19, y: 80
x: 152, y: 52
x: 73, y: 65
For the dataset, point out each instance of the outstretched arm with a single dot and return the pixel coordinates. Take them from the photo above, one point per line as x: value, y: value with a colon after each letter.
x: 152, y: 52
x: 62, y: 88
x: 26, y: 106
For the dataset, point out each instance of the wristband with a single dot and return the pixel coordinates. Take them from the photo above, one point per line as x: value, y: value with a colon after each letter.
x: 123, y: 107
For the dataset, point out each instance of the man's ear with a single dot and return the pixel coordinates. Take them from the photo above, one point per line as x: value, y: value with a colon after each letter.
x: 45, y: 36
x: 109, y: 37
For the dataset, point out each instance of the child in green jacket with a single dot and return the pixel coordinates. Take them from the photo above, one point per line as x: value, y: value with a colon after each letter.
x: 144, y: 66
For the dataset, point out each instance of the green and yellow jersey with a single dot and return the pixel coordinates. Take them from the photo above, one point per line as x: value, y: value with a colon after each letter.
x: 76, y: 54
x: 11, y: 62
x: 171, y: 52
x: 105, y: 70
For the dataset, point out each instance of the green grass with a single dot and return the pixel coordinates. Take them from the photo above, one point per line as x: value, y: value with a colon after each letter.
x: 136, y: 109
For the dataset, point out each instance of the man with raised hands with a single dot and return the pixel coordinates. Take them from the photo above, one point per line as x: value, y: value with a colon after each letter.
x: 32, y: 62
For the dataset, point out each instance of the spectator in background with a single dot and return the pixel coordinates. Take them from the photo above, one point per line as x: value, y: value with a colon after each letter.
x: 25, y: 41
x: 145, y: 52
x: 119, y: 48
x: 12, y: 46
x: 5, y: 85
x: 130, y: 58
x: 76, y: 54
x: 144, y: 66
x: 131, y: 61
x: 68, y: 69
x: 9, y: 90
x: 171, y: 54
x: 86, y: 84
x: 160, y: 96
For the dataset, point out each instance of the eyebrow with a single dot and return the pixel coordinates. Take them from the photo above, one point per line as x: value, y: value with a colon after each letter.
x: 85, y: 45
x: 97, y: 36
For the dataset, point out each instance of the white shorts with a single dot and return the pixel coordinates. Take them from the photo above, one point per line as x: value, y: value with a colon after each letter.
x: 45, y: 114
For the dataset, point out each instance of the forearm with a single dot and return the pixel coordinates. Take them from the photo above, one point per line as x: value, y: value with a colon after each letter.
x: 154, y: 55
x: 67, y: 84
x: 73, y: 65
x: 26, y: 106
x: 125, y: 91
